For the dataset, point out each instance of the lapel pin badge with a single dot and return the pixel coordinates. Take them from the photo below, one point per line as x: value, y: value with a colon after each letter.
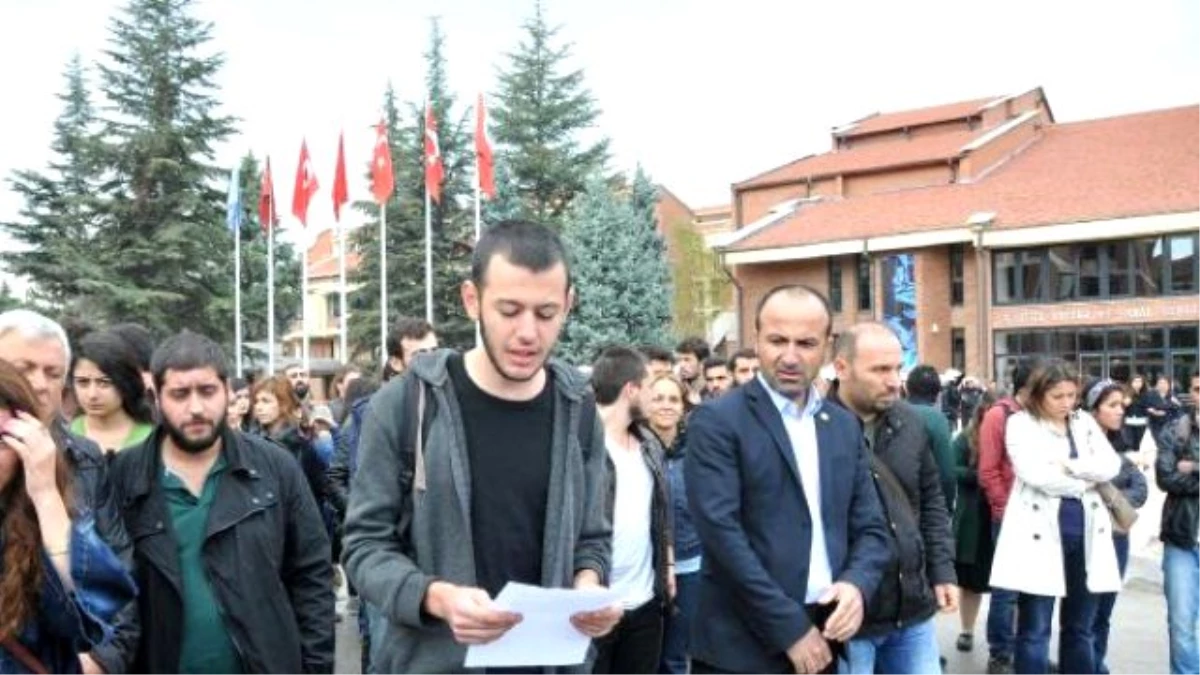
x: 824, y: 417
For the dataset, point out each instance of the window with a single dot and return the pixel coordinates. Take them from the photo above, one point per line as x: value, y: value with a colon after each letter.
x: 1031, y: 275
x: 1005, y: 277
x: 956, y: 275
x: 1117, y: 254
x: 865, y: 302
x: 958, y: 350
x: 332, y: 310
x: 1183, y: 264
x: 835, y: 284
x: 1089, y: 271
x: 1148, y: 262
x: 1063, y: 274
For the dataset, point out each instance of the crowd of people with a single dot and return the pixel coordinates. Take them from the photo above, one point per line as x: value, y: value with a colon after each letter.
x: 800, y: 506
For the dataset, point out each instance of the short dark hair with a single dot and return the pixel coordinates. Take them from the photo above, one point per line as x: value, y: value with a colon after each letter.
x: 406, y: 328
x: 693, y: 345
x: 188, y: 351
x: 1051, y: 373
x: 744, y: 353
x: 523, y: 243
x: 713, y: 362
x: 1024, y: 369
x: 359, y: 388
x: 139, y: 339
x: 116, y: 359
x: 238, y: 384
x: 616, y: 367
x: 795, y: 289
x: 656, y: 353
x: 924, y: 383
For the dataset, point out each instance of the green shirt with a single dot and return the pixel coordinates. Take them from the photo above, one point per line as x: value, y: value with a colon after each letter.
x: 137, y: 435
x: 206, y: 647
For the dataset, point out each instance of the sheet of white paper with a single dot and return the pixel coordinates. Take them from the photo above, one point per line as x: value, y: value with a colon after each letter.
x: 545, y: 636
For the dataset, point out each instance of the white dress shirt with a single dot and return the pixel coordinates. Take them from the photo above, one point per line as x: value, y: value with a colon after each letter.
x: 801, y: 429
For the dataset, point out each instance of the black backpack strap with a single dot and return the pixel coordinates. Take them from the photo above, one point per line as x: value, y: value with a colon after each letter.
x: 587, y: 420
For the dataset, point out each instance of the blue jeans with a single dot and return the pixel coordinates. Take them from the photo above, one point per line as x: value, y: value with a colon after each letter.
x: 679, y: 624
x: 1181, y: 577
x: 1077, y: 615
x: 913, y: 649
x: 1002, y: 617
x: 1105, y: 608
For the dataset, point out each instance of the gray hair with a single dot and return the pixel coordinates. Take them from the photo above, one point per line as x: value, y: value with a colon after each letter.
x: 33, y: 326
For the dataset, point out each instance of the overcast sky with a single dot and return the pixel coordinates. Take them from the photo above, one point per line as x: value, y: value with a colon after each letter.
x: 701, y: 94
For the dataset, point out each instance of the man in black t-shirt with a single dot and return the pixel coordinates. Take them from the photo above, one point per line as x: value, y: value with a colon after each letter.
x: 481, y: 480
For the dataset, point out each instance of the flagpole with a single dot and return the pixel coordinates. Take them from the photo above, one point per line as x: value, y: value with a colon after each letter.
x: 237, y: 298
x: 478, y: 229
x: 304, y: 297
x: 428, y: 257
x: 383, y: 308
x: 342, y: 290
x: 271, y: 287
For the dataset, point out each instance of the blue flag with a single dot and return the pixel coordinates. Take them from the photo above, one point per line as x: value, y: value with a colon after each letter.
x: 233, y: 204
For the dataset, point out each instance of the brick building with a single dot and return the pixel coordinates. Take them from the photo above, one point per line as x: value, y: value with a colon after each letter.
x: 1024, y: 235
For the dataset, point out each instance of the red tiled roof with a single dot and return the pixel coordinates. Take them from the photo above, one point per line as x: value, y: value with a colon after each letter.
x: 328, y: 267
x: 1141, y: 164
x: 920, y: 150
x: 913, y: 118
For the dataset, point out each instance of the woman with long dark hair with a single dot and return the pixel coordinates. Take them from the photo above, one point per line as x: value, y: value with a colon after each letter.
x: 115, y: 411
x: 1105, y: 400
x: 1056, y: 538
x: 60, y: 584
x: 974, y: 545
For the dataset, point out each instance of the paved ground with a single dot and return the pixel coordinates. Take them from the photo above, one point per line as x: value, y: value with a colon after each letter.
x: 1138, y: 642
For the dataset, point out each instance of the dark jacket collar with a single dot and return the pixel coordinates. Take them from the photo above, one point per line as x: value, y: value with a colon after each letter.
x: 147, y: 460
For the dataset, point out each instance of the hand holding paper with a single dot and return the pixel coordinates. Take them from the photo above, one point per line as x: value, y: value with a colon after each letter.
x: 470, y: 612
x: 546, y: 635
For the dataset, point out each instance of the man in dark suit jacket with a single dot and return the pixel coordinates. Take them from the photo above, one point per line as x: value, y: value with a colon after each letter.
x: 789, y: 519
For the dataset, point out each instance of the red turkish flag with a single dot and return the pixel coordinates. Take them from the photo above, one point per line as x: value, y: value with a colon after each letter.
x: 485, y: 167
x: 267, y: 216
x: 341, y: 193
x: 306, y: 185
x: 382, y: 178
x: 435, y: 171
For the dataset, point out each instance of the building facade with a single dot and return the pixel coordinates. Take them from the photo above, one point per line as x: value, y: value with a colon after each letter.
x: 985, y: 230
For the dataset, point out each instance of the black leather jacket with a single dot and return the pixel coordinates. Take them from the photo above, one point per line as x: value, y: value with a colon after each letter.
x: 919, y: 523
x: 266, y: 555
x: 1178, y: 441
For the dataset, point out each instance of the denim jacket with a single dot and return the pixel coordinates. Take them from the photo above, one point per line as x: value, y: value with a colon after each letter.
x: 70, y: 622
x: 687, y: 540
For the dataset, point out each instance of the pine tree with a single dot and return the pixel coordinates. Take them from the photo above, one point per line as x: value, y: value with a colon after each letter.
x: 59, y: 217
x: 506, y: 205
x: 451, y: 221
x: 622, y: 292
x: 540, y: 120
x: 163, y: 236
x: 7, y: 299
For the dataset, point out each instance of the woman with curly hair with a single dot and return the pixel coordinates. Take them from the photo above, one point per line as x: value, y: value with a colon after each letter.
x: 60, y: 584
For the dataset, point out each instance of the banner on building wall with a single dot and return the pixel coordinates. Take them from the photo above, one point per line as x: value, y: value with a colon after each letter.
x: 900, y: 304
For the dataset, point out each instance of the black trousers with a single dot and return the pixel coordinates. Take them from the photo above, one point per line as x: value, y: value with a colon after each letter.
x: 635, y: 644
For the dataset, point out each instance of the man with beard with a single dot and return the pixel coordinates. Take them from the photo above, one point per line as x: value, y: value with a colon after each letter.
x: 793, y: 536
x: 233, y: 563
x: 298, y: 377
x: 481, y: 469
x: 642, y: 554
x: 898, y: 634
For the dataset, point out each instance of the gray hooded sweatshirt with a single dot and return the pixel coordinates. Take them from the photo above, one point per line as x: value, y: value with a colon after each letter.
x: 578, y: 533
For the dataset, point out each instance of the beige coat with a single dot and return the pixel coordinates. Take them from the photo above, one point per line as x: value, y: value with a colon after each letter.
x: 1029, y: 555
